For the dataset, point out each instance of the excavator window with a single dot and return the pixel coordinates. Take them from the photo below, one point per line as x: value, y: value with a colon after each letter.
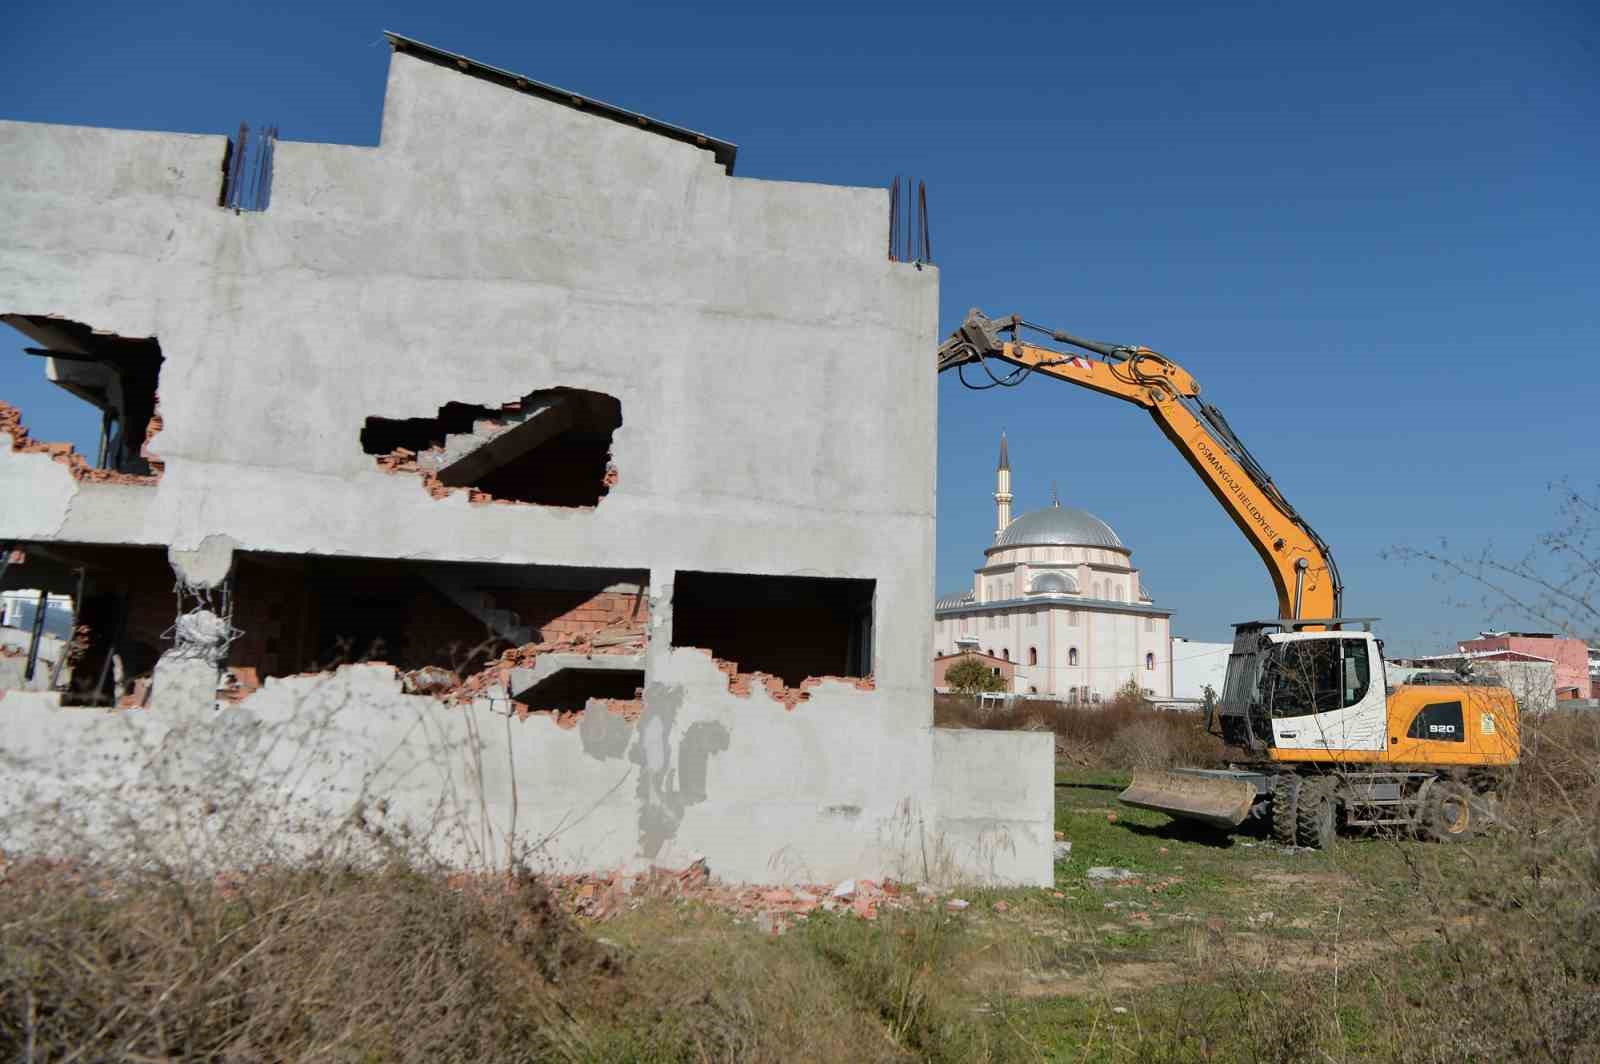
x: 1316, y: 676
x: 1305, y: 678
x: 1439, y: 721
x: 1357, y: 671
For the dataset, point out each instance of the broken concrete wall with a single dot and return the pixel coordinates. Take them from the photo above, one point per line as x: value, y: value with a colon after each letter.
x: 771, y: 367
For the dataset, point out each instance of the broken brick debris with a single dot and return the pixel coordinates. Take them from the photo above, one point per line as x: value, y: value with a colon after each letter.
x: 744, y: 683
x: 600, y: 896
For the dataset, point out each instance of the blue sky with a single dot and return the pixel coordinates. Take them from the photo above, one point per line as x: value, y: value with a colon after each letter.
x: 1368, y: 230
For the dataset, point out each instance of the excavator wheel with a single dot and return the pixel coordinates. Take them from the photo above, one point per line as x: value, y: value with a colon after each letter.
x: 1285, y: 807
x: 1450, y: 812
x: 1315, y: 824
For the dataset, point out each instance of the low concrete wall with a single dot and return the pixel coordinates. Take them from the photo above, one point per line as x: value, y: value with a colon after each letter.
x: 762, y: 793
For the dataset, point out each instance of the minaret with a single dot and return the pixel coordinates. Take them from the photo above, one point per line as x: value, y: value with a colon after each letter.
x: 1002, y: 489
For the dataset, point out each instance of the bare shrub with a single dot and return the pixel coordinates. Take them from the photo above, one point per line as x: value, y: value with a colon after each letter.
x: 1141, y: 744
x: 1123, y: 733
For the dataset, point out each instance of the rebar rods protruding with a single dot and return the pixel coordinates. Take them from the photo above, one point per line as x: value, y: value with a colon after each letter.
x: 909, y: 240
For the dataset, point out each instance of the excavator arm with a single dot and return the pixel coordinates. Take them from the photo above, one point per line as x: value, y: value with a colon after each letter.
x: 1302, y: 568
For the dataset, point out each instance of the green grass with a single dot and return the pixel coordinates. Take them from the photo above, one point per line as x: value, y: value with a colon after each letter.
x: 1195, y: 947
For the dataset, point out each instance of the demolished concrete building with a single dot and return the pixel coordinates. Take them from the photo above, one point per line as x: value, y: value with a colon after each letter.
x: 551, y: 462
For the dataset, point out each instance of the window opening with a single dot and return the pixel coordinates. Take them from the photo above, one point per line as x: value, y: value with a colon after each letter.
x: 116, y: 375
x: 790, y: 627
x: 570, y: 690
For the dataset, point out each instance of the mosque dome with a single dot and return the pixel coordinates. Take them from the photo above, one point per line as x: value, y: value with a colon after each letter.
x: 1058, y: 526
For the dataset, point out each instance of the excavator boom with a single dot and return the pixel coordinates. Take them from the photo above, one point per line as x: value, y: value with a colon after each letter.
x: 1300, y: 563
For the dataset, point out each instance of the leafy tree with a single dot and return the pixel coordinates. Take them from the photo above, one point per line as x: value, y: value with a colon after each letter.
x: 1129, y: 694
x: 970, y: 676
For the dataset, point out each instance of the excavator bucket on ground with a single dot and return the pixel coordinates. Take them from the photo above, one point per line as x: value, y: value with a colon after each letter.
x: 1218, y: 799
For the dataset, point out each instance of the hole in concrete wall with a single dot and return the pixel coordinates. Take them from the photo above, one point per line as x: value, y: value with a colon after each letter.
x: 570, y: 688
x: 551, y: 448
x: 791, y: 627
x: 117, y: 604
x: 116, y: 376
x: 451, y: 627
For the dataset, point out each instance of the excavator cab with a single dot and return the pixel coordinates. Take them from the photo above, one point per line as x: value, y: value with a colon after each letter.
x: 1290, y: 688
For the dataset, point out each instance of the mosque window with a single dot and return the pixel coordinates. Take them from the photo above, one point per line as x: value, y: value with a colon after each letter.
x: 1033, y: 655
x: 1005, y: 652
x: 1072, y: 656
x: 1149, y: 662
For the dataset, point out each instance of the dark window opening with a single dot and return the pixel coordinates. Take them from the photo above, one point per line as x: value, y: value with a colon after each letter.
x: 117, y: 376
x: 792, y: 627
x: 570, y: 689
x: 550, y: 448
x: 108, y: 611
x: 302, y: 613
x: 1033, y: 655
x: 1439, y: 721
x: 443, y: 625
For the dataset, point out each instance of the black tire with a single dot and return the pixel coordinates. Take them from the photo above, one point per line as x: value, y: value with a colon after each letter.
x: 1285, y: 807
x: 1450, y: 812
x: 1315, y: 815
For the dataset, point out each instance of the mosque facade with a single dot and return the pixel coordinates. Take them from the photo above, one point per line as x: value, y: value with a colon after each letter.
x: 1058, y: 596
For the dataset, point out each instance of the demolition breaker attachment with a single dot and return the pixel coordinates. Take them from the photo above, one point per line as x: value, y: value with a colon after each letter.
x: 1219, y: 798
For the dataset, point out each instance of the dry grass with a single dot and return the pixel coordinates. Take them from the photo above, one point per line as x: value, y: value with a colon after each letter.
x: 1122, y: 733
x: 284, y: 964
x: 402, y: 965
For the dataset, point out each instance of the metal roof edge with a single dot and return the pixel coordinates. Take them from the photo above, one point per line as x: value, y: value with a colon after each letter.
x: 723, y: 151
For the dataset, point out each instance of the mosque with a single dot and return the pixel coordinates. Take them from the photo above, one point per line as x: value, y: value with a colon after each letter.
x: 1058, y: 607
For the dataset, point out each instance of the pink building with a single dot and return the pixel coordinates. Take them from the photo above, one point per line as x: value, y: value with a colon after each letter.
x: 1571, y: 657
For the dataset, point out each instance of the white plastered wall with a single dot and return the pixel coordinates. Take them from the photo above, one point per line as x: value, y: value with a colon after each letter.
x: 779, y: 415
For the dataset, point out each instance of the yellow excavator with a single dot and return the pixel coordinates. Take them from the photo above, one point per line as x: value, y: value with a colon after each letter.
x: 1326, y: 737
